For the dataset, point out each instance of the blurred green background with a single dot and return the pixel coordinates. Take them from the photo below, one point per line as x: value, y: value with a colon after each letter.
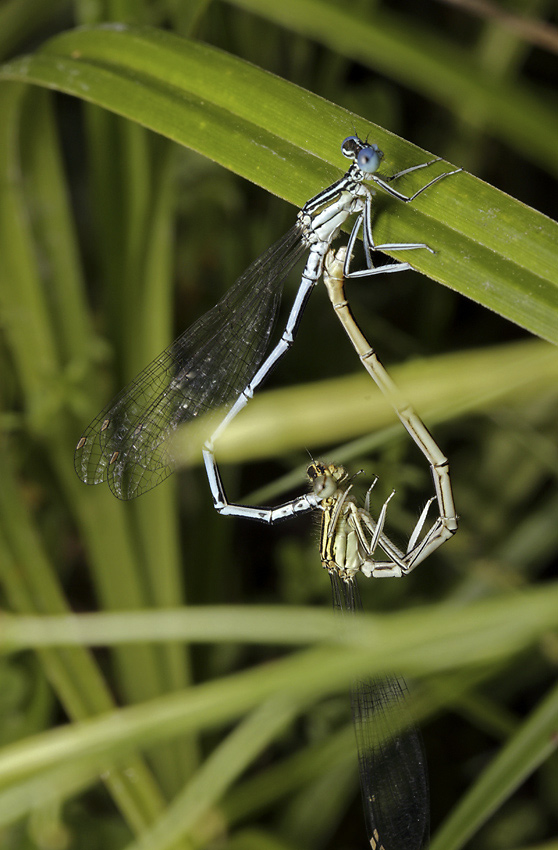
x: 142, y: 170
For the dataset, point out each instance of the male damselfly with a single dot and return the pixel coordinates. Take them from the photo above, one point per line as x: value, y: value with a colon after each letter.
x: 217, y: 362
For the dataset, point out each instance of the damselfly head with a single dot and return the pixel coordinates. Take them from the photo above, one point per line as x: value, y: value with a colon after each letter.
x: 367, y: 157
x: 325, y: 478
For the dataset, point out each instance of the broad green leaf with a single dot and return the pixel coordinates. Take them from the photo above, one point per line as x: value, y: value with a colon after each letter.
x: 489, y: 247
x: 339, y: 409
x: 414, y: 55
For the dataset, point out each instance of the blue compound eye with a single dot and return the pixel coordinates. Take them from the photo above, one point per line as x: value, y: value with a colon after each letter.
x: 369, y: 159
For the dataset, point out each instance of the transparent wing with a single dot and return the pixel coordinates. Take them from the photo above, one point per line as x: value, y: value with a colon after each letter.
x: 392, y: 763
x: 208, y: 366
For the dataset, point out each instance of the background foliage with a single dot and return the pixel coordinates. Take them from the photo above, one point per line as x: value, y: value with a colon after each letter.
x: 126, y: 210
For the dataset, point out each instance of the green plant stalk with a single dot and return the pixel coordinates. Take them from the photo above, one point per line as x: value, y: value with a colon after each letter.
x: 533, y: 743
x: 221, y: 769
x: 135, y: 209
x: 29, y: 581
x: 41, y: 341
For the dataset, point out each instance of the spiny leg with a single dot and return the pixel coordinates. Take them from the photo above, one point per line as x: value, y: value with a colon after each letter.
x: 407, y: 199
x: 365, y: 221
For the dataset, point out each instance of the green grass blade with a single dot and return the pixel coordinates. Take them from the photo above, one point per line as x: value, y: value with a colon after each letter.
x: 524, y: 753
x: 442, y: 388
x: 491, y: 631
x: 226, y: 763
x: 30, y: 583
x: 50, y: 337
x: 416, y: 57
x: 489, y: 247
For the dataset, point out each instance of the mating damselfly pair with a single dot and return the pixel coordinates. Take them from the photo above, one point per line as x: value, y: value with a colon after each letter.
x: 219, y: 363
